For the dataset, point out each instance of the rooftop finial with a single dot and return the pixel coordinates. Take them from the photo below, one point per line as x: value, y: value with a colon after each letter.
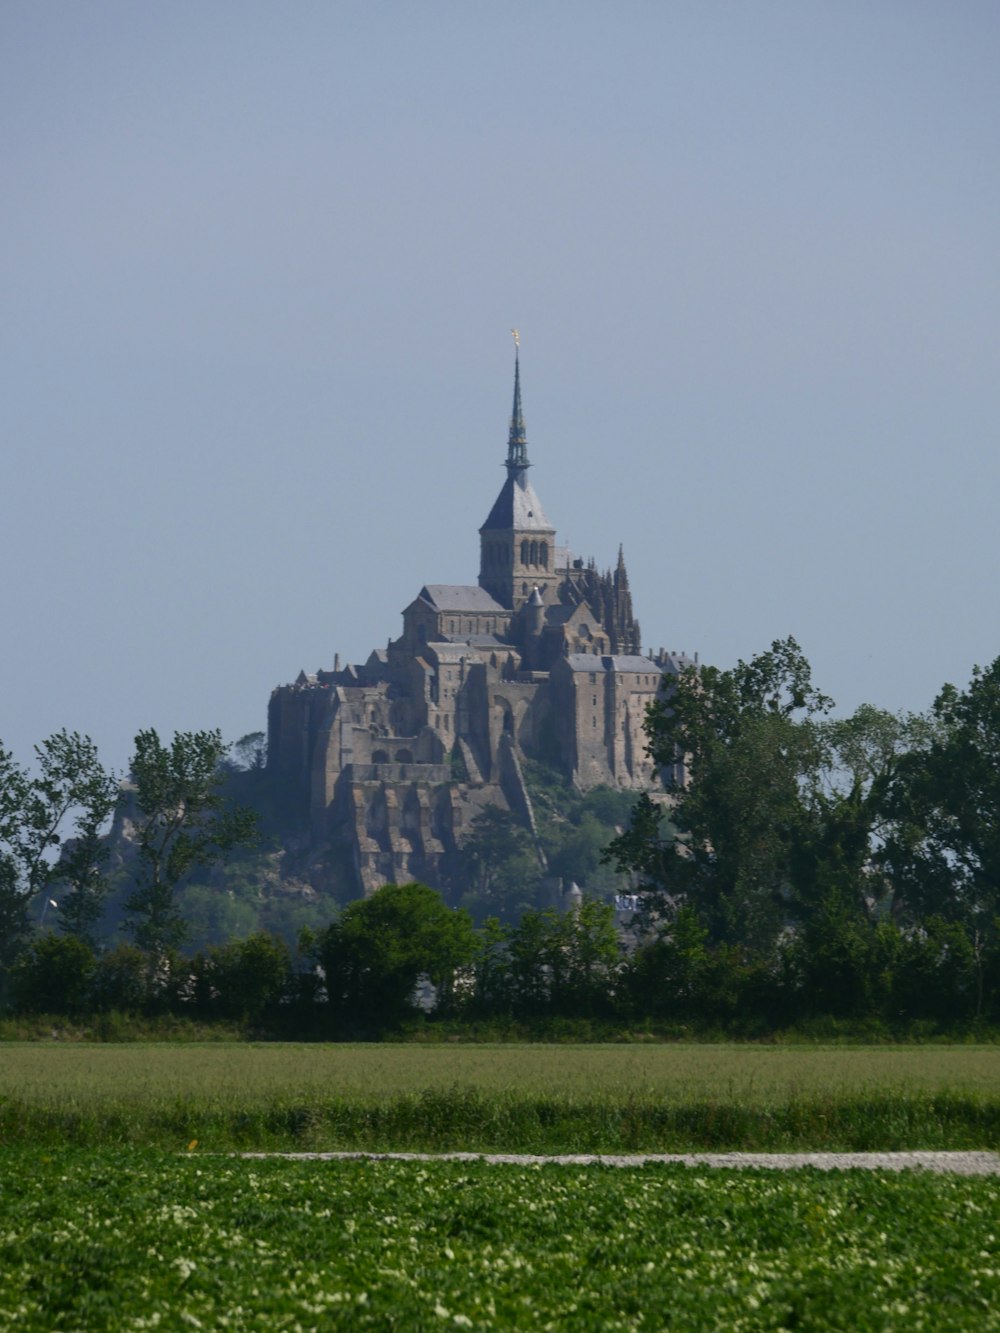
x: 517, y: 443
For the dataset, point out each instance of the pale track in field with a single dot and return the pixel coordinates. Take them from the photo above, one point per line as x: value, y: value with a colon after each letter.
x: 955, y: 1163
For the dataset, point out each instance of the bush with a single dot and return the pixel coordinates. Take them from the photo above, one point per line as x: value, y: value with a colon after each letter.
x: 53, y: 976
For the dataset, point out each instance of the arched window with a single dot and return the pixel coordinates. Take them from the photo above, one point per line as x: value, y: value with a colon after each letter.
x: 534, y: 553
x: 543, y: 555
x: 524, y: 552
x: 380, y: 757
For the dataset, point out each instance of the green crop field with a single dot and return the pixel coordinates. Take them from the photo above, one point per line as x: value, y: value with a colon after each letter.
x: 529, y: 1098
x: 101, y: 1229
x: 99, y: 1072
x: 118, y: 1239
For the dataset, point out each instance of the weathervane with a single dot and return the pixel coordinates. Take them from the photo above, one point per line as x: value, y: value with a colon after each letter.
x: 516, y: 336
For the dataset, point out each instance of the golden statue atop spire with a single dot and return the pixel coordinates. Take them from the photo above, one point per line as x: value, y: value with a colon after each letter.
x: 516, y: 336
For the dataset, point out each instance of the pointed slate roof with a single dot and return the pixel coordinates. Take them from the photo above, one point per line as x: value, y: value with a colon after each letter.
x: 517, y: 506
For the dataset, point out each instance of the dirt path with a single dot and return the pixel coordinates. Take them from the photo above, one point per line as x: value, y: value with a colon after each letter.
x: 957, y: 1163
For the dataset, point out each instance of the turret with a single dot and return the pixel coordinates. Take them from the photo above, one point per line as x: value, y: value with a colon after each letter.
x: 534, y: 613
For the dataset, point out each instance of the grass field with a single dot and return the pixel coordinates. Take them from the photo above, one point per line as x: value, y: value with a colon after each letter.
x: 102, y: 1230
x: 532, y: 1098
x: 108, y: 1072
x: 118, y: 1239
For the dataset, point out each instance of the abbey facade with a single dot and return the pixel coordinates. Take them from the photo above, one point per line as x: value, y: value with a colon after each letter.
x: 540, y: 658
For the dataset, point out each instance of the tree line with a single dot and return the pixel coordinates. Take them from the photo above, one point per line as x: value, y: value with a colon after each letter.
x: 795, y: 867
x: 54, y: 826
x: 816, y: 865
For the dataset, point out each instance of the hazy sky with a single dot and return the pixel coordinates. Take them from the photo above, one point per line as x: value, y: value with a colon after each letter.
x: 258, y: 264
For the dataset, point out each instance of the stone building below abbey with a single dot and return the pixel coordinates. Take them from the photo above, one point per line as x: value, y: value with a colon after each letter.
x: 540, y: 658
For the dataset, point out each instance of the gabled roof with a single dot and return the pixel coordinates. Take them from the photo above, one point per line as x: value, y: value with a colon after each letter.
x: 480, y: 641
x: 459, y: 597
x: 586, y: 662
x: 675, y: 663
x: 562, y: 615
x: 451, y: 653
x: 622, y: 662
x: 518, y: 507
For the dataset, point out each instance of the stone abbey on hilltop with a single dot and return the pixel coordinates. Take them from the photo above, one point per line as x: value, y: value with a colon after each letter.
x: 540, y: 658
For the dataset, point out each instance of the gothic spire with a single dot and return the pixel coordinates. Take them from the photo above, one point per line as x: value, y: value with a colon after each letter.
x: 517, y: 443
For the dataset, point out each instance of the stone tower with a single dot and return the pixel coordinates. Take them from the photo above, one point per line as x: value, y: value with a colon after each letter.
x: 517, y: 541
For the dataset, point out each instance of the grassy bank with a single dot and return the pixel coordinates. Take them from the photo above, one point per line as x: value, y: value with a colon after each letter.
x: 311, y: 1027
x: 457, y: 1120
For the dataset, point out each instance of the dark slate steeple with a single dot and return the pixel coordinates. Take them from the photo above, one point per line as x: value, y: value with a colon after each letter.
x: 517, y: 507
x: 517, y: 440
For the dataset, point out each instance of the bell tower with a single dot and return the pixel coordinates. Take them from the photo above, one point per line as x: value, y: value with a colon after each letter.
x: 517, y: 541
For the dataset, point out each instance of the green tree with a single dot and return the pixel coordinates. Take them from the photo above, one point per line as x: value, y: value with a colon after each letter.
x: 249, y: 753
x: 69, y: 792
x: 592, y: 960
x: 124, y: 983
x: 563, y: 964
x: 500, y: 864
x: 574, y: 827
x: 671, y: 973
x: 380, y: 947
x: 777, y: 808
x: 944, y: 852
x: 849, y: 798
x: 54, y: 975
x: 647, y: 850
x: 182, y: 821
x: 843, y: 957
x: 248, y: 979
x: 749, y: 743
x: 491, y: 991
x: 574, y: 850
x: 939, y: 972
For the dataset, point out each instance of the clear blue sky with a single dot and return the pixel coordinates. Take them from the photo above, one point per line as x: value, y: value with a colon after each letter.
x: 258, y: 265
